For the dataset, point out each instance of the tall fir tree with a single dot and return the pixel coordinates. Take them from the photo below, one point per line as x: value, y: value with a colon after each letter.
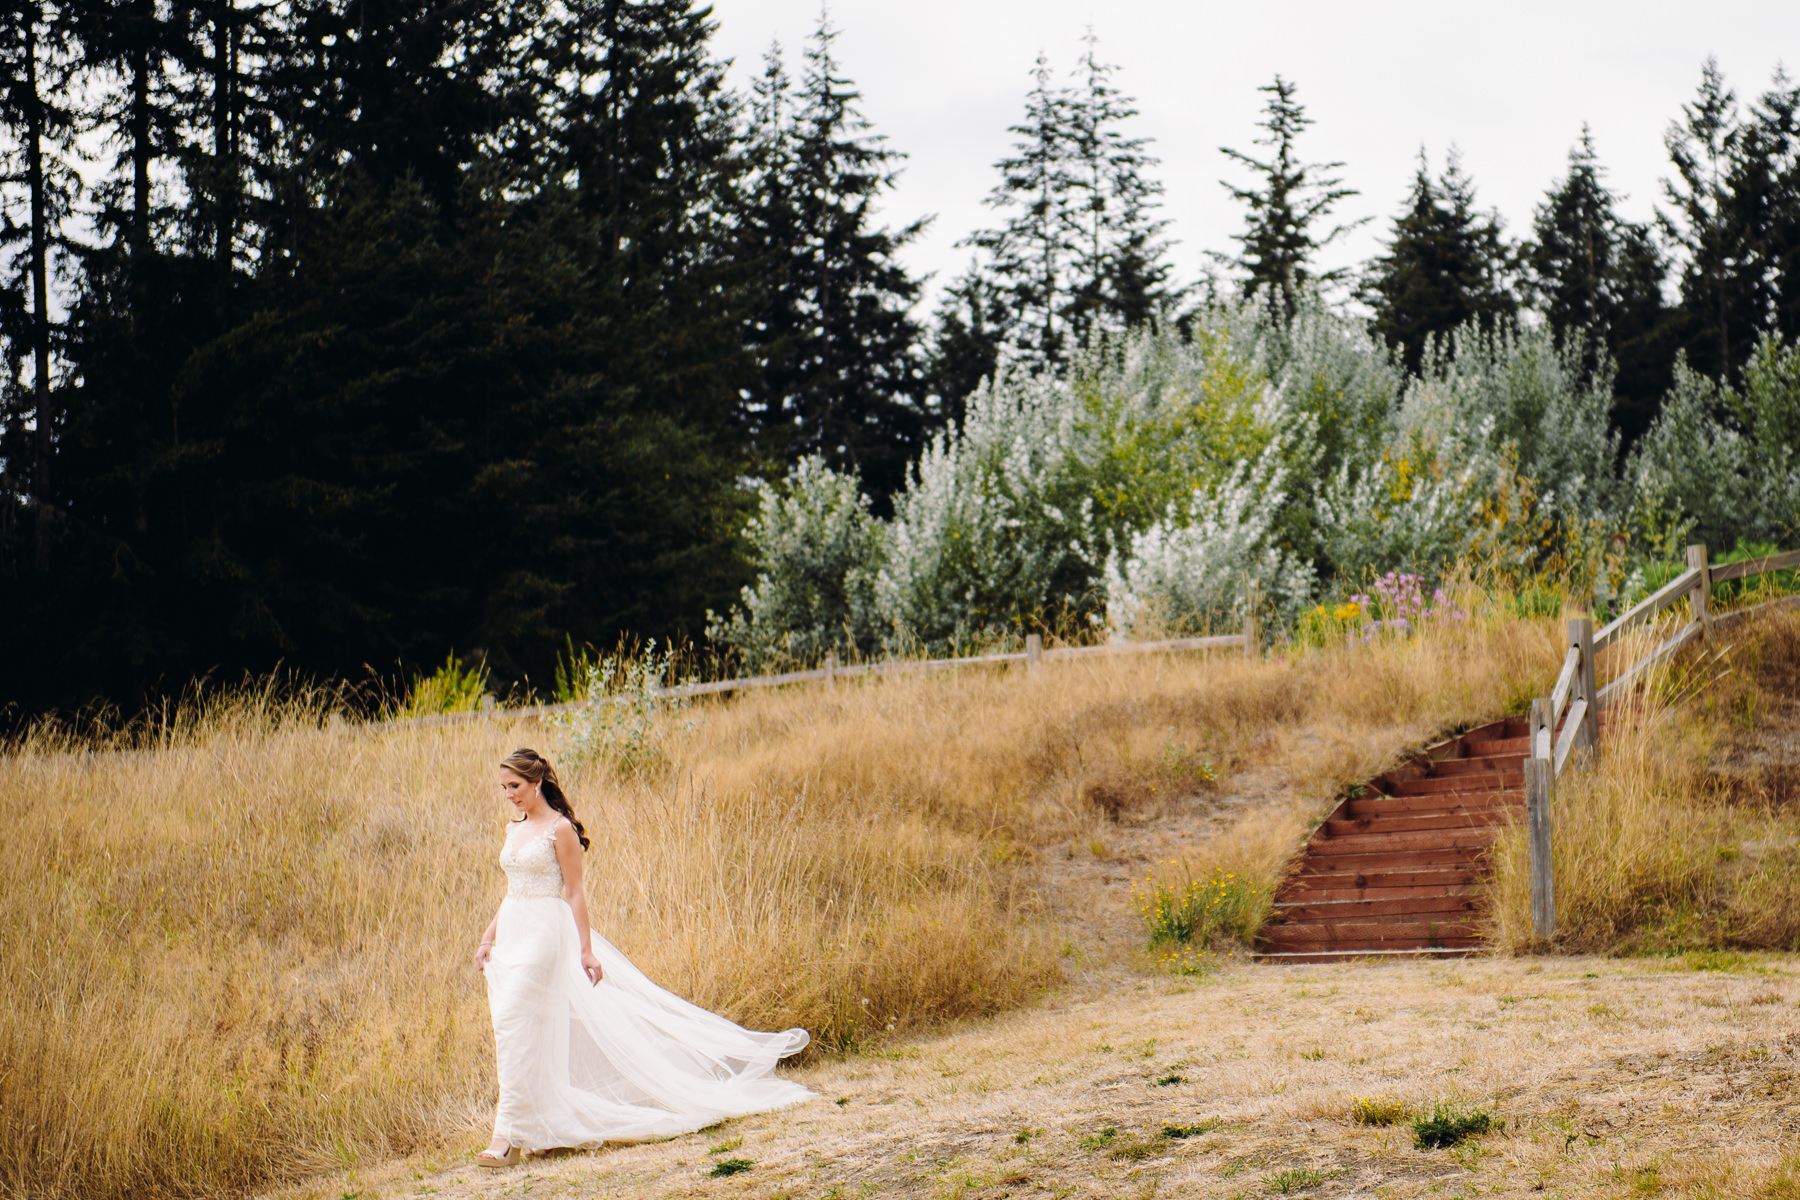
x: 1724, y: 294
x: 1446, y: 265
x: 1598, y: 280
x: 1119, y: 273
x: 39, y: 159
x: 1288, y: 206
x: 968, y: 331
x: 1082, y: 251
x: 839, y: 377
x: 1030, y: 258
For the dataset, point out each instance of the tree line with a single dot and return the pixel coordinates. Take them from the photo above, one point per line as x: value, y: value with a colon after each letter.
x: 350, y: 333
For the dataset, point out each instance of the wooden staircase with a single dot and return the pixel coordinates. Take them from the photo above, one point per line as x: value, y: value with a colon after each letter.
x: 1392, y: 872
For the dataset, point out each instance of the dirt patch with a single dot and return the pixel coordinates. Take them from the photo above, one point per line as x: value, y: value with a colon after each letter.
x: 1611, y: 1078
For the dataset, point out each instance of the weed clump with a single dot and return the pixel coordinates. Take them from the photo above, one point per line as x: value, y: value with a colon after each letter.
x: 1379, y: 1110
x: 1188, y: 1131
x: 1295, y: 1179
x: 1448, y: 1123
x: 1195, y: 912
x: 730, y: 1166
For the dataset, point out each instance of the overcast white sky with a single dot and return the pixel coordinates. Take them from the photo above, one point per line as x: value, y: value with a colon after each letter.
x: 1509, y: 84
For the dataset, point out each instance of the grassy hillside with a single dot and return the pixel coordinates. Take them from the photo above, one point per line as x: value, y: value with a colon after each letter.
x: 238, y: 948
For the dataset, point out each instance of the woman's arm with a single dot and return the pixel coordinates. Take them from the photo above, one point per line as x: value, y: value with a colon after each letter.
x: 487, y: 944
x: 568, y: 857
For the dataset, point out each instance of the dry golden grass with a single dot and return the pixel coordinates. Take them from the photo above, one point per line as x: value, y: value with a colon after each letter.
x: 237, y: 951
x: 1615, y: 1080
x: 1687, y: 833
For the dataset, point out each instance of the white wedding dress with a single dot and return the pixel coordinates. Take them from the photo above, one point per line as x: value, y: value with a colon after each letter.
x: 622, y: 1061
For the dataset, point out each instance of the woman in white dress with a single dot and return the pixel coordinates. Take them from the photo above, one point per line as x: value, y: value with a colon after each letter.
x: 588, y: 1049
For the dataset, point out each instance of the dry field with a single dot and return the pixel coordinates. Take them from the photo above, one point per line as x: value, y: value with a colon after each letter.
x: 237, y: 947
x: 1629, y: 1079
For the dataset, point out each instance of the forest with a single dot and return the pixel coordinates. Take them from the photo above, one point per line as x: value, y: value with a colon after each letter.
x: 342, y: 336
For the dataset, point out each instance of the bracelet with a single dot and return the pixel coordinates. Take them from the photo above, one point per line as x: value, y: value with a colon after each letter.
x: 487, y: 943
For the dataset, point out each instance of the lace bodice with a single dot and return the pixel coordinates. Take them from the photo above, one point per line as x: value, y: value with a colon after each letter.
x: 529, y: 861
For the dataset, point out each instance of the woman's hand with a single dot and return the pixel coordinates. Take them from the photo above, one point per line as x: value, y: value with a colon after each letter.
x: 481, y: 956
x: 590, y: 966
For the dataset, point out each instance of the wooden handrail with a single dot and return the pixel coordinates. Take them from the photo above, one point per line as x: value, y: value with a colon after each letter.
x: 1664, y: 596
x: 1756, y: 566
x: 1611, y: 691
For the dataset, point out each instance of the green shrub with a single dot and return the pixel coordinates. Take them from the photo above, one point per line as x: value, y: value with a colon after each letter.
x: 1198, y: 910
x: 1448, y: 1123
x: 452, y: 688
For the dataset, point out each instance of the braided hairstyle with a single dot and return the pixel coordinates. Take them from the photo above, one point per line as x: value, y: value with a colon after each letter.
x: 536, y: 769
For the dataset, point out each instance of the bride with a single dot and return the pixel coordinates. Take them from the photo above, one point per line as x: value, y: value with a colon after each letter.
x: 588, y: 1049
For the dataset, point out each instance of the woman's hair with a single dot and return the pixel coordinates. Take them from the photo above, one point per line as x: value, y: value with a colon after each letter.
x: 535, y: 768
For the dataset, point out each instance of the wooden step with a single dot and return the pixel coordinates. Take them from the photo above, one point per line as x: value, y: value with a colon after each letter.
x: 1385, y: 861
x: 1429, y: 840
x: 1311, y: 895
x: 1381, y: 806
x: 1339, y: 912
x: 1494, y: 763
x: 1470, y: 818
x: 1438, y: 785
x: 1447, y: 875
x: 1500, y: 747
x: 1373, y: 935
x: 1301, y: 957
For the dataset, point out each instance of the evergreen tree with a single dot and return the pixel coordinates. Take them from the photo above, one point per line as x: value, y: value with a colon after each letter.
x: 1598, y: 279
x: 1288, y: 205
x: 968, y: 331
x: 839, y: 378
x: 1082, y: 251
x: 1030, y: 258
x: 1766, y: 192
x: 1446, y: 265
x: 1724, y: 292
x: 37, y: 46
x: 1119, y: 273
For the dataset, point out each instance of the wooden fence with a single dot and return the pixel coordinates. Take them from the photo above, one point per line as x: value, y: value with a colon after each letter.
x: 1032, y: 656
x: 1575, y: 703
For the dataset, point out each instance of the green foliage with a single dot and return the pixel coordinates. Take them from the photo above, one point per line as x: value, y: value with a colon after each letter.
x: 1448, y: 1123
x: 625, y: 717
x: 730, y: 1166
x: 452, y: 688
x: 1197, y: 911
x: 1098, y: 1140
x: 1296, y: 1179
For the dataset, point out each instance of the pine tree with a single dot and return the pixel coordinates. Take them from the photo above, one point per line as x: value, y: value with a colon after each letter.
x: 840, y: 378
x: 37, y: 46
x: 968, y: 332
x: 1724, y: 293
x: 1598, y: 279
x: 1082, y: 252
x: 1030, y: 258
x: 1119, y: 272
x: 1445, y: 266
x: 1766, y: 193
x: 1287, y: 206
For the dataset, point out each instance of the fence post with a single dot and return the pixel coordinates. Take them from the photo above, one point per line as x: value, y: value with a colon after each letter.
x: 1696, y: 558
x: 1250, y: 630
x: 1540, y: 796
x: 1034, y: 650
x: 1581, y: 637
x: 487, y: 706
x: 831, y: 666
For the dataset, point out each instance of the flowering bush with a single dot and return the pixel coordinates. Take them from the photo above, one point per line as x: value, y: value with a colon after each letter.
x: 620, y: 722
x: 1399, y: 606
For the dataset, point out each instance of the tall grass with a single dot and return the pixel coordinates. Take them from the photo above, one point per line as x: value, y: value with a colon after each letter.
x: 238, y: 944
x: 1680, y: 838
